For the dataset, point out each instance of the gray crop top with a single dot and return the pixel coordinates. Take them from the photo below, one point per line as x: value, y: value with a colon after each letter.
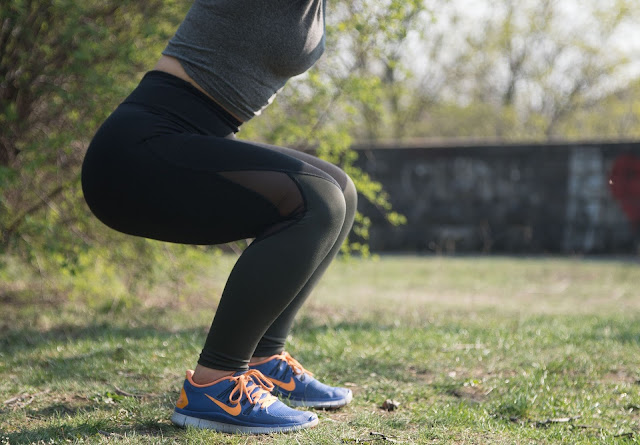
x: 242, y: 52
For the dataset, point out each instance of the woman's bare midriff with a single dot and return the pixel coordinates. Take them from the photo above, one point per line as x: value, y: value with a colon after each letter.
x: 171, y: 65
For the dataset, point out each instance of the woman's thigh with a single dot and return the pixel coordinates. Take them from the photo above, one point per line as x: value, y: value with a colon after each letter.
x: 195, y: 189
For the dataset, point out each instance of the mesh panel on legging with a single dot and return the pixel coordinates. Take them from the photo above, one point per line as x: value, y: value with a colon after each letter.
x: 277, y: 187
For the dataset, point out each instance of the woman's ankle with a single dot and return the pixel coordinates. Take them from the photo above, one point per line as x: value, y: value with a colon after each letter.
x: 203, y: 375
x: 256, y: 359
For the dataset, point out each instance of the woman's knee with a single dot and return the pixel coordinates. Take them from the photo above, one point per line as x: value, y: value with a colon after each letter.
x: 325, y: 203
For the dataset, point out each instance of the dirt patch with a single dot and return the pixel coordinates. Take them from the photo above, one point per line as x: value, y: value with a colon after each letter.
x: 471, y: 393
x: 621, y: 376
x: 421, y: 374
x: 27, y: 297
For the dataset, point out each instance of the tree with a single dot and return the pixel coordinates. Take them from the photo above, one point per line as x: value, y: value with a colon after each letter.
x: 64, y: 66
x: 616, y: 116
x: 525, y: 69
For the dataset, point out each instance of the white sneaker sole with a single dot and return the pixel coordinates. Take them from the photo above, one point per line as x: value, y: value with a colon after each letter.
x: 184, y: 421
x: 319, y: 404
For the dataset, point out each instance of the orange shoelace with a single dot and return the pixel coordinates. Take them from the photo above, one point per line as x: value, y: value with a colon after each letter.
x: 261, y: 385
x: 295, y: 364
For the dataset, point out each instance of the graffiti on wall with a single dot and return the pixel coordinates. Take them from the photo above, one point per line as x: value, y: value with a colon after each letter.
x: 624, y: 183
x: 586, y: 194
x: 573, y: 198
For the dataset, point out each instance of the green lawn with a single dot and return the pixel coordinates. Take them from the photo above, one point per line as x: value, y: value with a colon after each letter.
x: 478, y: 350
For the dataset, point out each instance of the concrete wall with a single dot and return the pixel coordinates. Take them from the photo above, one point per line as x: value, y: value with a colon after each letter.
x: 563, y: 198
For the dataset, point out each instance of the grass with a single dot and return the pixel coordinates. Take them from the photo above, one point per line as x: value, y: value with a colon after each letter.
x: 475, y: 350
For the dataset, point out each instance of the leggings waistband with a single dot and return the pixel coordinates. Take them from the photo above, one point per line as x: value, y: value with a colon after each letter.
x: 177, y: 97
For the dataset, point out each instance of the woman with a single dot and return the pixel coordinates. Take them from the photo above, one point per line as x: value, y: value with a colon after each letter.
x: 166, y: 165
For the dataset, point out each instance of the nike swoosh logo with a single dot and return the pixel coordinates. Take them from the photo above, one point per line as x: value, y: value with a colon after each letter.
x: 233, y: 410
x: 289, y: 386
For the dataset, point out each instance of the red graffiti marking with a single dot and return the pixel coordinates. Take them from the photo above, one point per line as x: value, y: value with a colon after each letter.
x: 625, y: 185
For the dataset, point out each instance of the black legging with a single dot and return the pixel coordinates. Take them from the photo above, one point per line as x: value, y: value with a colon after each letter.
x: 166, y: 165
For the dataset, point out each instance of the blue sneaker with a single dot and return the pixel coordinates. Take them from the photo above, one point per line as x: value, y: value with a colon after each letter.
x: 241, y: 403
x: 297, y: 387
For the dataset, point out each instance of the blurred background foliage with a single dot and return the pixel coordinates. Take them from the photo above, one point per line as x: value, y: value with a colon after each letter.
x: 394, y: 71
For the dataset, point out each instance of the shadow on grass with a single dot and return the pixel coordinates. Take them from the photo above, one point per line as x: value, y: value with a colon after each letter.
x: 103, y: 344
x: 14, y: 340
x: 92, y: 419
x: 62, y: 409
x: 99, y: 430
x: 117, y: 325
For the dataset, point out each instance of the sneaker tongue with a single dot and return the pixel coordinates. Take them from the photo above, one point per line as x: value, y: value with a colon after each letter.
x: 257, y: 393
x: 251, y: 385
